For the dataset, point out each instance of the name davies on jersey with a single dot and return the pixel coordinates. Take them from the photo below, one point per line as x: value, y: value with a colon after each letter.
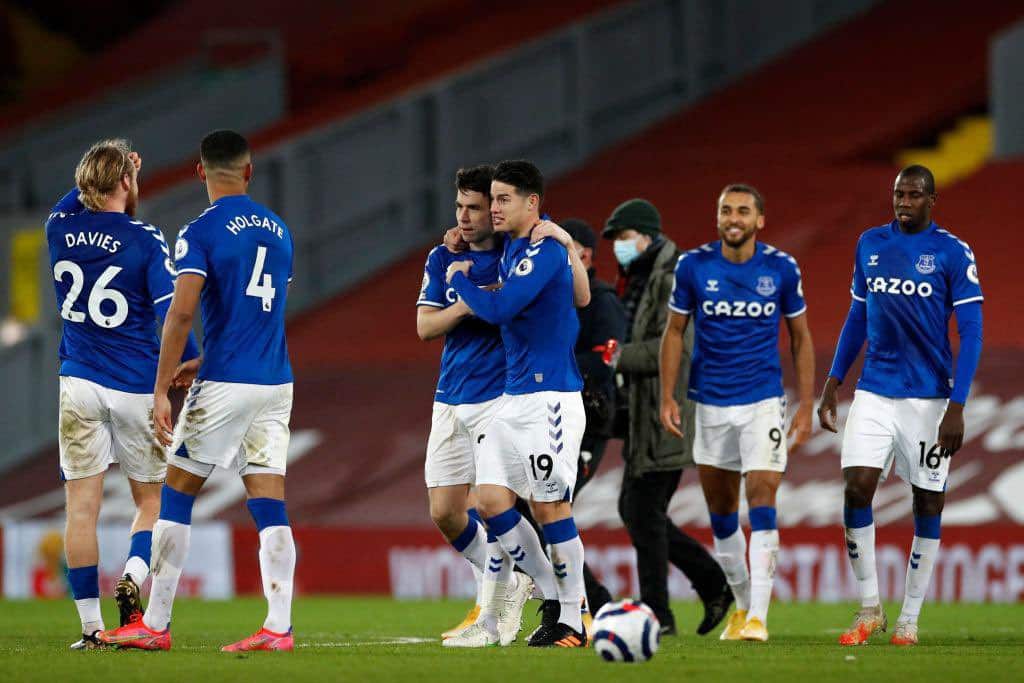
x: 92, y: 239
x: 738, y: 309
x: 240, y: 223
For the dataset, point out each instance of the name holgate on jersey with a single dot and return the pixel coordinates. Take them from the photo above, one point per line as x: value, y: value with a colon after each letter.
x: 239, y: 223
x: 92, y: 239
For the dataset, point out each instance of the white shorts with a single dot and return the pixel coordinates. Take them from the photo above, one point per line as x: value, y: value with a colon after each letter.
x: 742, y: 438
x: 228, y: 424
x: 880, y: 431
x: 450, y: 447
x: 532, y: 445
x: 99, y: 426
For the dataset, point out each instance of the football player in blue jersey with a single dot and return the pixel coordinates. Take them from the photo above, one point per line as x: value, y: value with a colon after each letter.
x: 736, y: 289
x: 472, y: 378
x: 113, y: 279
x: 529, y: 445
x: 909, y: 277
x: 237, y: 258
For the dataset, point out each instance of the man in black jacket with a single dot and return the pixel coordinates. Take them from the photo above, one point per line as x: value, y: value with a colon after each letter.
x: 654, y: 458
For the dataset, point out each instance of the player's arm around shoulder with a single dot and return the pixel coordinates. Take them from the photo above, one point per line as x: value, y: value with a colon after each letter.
x: 580, y: 279
x: 540, y: 262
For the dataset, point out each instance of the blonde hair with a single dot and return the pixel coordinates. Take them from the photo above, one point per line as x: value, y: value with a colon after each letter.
x: 101, y: 169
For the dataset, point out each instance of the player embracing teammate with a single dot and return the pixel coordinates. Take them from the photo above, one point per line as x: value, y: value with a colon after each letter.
x: 529, y: 444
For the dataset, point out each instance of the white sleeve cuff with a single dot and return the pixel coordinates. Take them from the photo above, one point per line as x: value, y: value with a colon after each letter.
x: 970, y: 300
x: 678, y: 310
x: 197, y: 271
x: 796, y: 313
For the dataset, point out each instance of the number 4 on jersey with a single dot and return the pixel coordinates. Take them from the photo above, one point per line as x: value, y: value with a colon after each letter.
x: 261, y: 288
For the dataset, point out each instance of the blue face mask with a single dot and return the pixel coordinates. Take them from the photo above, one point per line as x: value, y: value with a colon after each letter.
x: 625, y: 251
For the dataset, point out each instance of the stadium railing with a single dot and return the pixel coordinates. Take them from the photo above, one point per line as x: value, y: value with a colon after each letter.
x: 163, y: 114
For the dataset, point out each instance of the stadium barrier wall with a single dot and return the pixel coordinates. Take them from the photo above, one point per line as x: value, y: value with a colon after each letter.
x: 982, y: 564
x: 361, y: 192
x: 985, y: 564
x: 33, y: 560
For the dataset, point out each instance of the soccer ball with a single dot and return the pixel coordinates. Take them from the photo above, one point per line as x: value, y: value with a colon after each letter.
x: 626, y: 631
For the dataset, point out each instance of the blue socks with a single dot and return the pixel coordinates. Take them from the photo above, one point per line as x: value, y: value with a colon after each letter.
x: 857, y: 518
x: 267, y: 512
x: 928, y: 526
x: 137, y: 565
x: 724, y: 526
x: 85, y: 582
x: 762, y: 519
x: 176, y: 506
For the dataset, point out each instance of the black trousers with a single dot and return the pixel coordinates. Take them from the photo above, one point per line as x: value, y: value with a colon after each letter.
x: 643, y: 506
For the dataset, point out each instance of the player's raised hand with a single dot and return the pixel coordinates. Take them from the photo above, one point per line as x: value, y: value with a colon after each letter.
x: 136, y: 160
x: 670, y: 418
x: 552, y: 230
x: 186, y: 374
x: 951, y: 429
x: 800, y: 429
x: 457, y: 267
x: 163, y: 428
x: 453, y: 241
x: 828, y: 405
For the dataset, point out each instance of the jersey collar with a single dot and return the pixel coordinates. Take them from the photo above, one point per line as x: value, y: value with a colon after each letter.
x: 231, y: 197
x: 895, y: 229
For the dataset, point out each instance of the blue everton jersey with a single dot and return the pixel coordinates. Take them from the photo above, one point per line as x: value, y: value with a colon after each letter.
x: 736, y: 308
x: 473, y: 359
x: 244, y: 251
x: 110, y: 272
x: 535, y: 310
x: 911, y: 284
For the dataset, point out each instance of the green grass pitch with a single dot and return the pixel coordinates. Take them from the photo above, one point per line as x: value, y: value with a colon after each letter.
x: 377, y: 639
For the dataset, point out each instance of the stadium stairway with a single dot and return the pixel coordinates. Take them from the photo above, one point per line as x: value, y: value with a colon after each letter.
x: 815, y: 130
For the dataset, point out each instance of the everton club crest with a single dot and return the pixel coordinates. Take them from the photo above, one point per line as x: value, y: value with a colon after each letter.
x: 765, y: 285
x: 925, y: 264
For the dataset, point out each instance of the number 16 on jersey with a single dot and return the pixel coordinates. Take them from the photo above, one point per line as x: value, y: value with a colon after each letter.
x: 261, y: 288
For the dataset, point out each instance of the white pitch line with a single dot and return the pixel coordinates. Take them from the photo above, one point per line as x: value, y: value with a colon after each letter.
x: 402, y: 640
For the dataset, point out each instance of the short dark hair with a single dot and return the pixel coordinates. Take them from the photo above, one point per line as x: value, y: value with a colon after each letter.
x: 522, y: 175
x: 919, y: 172
x: 745, y: 189
x: 222, y: 148
x: 475, y: 179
